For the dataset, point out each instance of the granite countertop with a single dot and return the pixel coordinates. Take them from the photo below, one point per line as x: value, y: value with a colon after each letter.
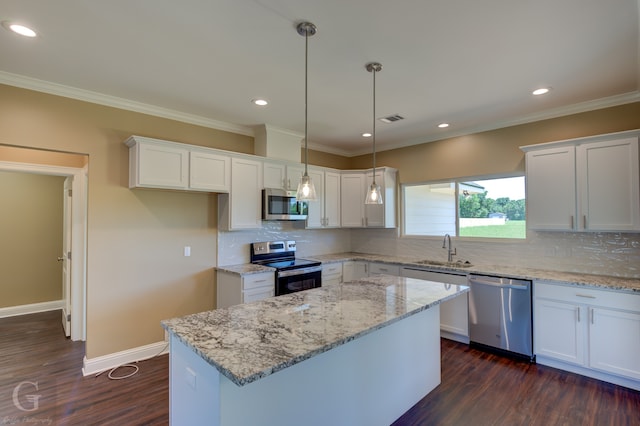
x: 251, y: 341
x: 570, y: 278
x: 245, y: 269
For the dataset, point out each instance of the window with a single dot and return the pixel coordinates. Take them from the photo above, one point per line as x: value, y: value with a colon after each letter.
x: 488, y: 208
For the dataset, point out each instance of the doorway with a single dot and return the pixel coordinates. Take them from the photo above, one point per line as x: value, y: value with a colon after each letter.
x: 74, y: 287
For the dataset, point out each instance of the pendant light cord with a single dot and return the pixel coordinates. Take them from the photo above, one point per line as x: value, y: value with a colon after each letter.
x: 374, y: 126
x: 306, y: 72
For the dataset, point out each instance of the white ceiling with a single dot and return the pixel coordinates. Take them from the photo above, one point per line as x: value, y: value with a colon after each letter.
x: 466, y: 62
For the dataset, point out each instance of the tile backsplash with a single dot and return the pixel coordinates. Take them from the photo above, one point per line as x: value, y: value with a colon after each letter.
x: 616, y: 254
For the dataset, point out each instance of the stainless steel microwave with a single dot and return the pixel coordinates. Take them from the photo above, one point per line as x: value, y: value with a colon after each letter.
x: 278, y: 204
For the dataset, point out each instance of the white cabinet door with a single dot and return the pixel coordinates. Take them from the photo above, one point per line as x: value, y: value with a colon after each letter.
x: 559, y: 330
x: 382, y: 215
x: 609, y: 185
x: 352, y: 200
x: 242, y: 207
x: 209, y: 171
x: 274, y: 175
x: 614, y: 341
x: 454, y: 313
x: 374, y: 213
x: 551, y: 189
x: 354, y: 270
x: 294, y: 174
x: 331, y: 199
x: 154, y: 165
x: 315, y: 216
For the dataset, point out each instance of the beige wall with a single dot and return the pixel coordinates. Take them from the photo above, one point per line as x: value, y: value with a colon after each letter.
x: 31, y: 230
x: 136, y: 272
x: 497, y: 151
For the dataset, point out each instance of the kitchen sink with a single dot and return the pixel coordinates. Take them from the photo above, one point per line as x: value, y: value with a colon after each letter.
x: 456, y: 264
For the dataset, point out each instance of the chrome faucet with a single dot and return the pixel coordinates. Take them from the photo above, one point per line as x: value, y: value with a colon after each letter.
x: 450, y: 253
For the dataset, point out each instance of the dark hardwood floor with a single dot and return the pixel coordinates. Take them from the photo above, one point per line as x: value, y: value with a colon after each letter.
x: 477, y: 388
x: 33, y: 349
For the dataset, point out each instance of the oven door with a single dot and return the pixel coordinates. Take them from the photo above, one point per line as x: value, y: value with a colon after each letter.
x: 298, y: 279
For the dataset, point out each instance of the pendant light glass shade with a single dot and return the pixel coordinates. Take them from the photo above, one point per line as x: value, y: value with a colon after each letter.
x: 306, y: 189
x: 374, y: 196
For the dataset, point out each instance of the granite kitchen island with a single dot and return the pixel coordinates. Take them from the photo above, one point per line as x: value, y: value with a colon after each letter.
x: 356, y: 353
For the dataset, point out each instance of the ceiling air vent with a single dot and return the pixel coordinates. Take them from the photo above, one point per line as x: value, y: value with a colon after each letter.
x: 391, y: 118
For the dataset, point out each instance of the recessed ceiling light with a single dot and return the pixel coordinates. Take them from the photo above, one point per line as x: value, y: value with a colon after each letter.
x: 260, y: 102
x: 443, y: 125
x: 366, y: 135
x: 541, y: 91
x: 19, y: 29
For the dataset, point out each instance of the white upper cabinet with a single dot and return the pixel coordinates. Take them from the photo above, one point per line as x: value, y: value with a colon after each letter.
x: 589, y: 184
x: 382, y: 215
x: 551, y: 188
x: 609, y: 185
x: 356, y: 214
x: 242, y: 207
x: 209, y: 171
x: 325, y: 212
x: 161, y: 164
x: 331, y: 199
x: 284, y: 176
x: 352, y: 199
x: 156, y: 164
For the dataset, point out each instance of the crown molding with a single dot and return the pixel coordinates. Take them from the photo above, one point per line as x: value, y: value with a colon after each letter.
x: 120, y: 103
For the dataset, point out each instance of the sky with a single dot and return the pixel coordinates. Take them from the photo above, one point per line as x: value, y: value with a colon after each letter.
x: 506, y: 187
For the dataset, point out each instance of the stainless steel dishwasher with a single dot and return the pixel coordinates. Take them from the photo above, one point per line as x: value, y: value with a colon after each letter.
x: 500, y: 314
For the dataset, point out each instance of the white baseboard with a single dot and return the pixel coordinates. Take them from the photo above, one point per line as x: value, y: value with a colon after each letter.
x: 594, y: 374
x: 107, y: 362
x: 32, y: 308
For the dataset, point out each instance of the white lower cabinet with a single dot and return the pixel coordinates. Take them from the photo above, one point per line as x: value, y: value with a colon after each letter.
x: 353, y: 270
x: 332, y: 273
x: 234, y: 289
x: 454, y: 313
x: 588, y: 331
x: 383, y: 268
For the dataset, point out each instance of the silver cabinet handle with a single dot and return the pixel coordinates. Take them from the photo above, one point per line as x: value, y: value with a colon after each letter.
x: 578, y: 309
x: 584, y: 221
x: 592, y: 315
x: 572, y: 224
x: 586, y: 296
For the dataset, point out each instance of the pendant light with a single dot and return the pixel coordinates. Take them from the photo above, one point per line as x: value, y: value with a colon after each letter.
x: 374, y: 196
x: 306, y: 190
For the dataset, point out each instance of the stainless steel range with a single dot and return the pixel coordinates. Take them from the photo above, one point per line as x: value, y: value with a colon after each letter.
x: 292, y: 274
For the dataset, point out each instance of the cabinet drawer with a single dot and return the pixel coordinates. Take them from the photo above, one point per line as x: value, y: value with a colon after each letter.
x: 256, y: 294
x: 587, y: 296
x: 332, y: 269
x: 258, y: 280
x: 383, y: 268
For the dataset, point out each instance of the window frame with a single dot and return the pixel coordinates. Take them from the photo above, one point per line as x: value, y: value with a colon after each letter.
x: 457, y: 181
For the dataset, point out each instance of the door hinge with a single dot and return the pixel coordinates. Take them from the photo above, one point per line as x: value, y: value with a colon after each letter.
x: 69, y: 255
x: 70, y: 192
x: 68, y: 317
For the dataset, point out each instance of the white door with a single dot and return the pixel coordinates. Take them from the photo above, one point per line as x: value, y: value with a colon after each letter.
x: 66, y: 257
